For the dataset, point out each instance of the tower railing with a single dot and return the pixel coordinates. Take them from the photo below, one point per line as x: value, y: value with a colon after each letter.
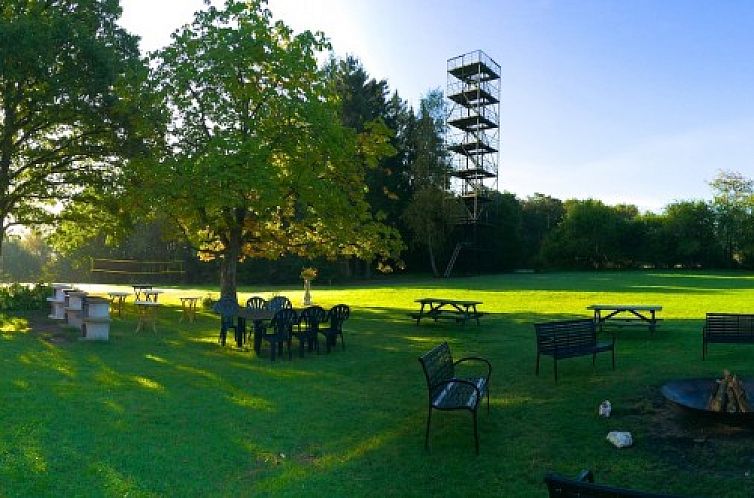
x: 475, y: 57
x: 482, y: 113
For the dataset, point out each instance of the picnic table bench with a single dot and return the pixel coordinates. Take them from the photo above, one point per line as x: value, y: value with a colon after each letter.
x: 630, y: 314
x: 447, y: 309
x: 727, y: 328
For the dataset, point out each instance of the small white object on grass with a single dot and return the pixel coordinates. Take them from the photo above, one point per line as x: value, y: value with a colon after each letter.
x: 605, y: 409
x: 620, y: 439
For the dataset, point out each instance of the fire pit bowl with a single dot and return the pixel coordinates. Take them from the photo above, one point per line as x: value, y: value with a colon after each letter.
x: 693, y: 394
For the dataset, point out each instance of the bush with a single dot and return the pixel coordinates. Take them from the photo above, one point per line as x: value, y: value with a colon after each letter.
x: 18, y: 296
x: 208, y: 302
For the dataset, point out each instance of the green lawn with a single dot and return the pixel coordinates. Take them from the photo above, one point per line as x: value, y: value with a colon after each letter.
x: 179, y: 415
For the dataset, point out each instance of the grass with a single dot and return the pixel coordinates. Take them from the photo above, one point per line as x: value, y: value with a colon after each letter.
x: 177, y: 415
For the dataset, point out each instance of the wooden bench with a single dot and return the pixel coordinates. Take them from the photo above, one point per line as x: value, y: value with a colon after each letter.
x: 448, y: 392
x: 568, y: 339
x: 583, y: 486
x: 727, y: 328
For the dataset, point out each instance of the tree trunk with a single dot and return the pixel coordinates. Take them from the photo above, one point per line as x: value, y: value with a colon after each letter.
x: 432, y: 261
x: 229, y: 265
x: 2, y: 238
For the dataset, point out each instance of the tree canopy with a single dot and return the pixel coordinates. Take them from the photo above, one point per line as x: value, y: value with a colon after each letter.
x: 257, y: 161
x: 71, y: 84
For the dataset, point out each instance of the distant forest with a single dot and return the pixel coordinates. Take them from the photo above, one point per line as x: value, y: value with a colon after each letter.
x: 408, y: 190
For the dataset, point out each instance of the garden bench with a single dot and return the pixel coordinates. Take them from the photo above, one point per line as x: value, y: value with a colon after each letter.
x: 448, y: 392
x: 727, y: 328
x: 583, y: 486
x: 568, y: 339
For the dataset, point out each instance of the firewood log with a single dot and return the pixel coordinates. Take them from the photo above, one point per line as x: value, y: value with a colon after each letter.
x: 730, y: 399
x: 715, y: 402
x: 740, y: 396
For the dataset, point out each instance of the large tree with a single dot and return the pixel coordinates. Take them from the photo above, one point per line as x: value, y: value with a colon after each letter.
x: 432, y: 211
x: 689, y: 232
x: 364, y: 100
x: 733, y: 204
x: 258, y: 162
x: 71, y: 84
x: 588, y: 236
x: 540, y: 215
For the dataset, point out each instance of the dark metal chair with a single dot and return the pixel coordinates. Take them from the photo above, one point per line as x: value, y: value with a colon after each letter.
x: 255, y: 303
x: 308, y: 327
x: 281, y: 326
x: 227, y: 308
x: 336, y: 316
x: 448, y: 392
x: 278, y: 303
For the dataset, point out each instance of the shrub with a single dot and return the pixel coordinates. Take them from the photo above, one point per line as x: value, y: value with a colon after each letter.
x: 18, y: 296
x: 208, y: 302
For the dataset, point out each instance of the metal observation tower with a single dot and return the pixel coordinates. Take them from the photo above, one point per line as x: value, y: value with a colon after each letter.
x: 473, y: 140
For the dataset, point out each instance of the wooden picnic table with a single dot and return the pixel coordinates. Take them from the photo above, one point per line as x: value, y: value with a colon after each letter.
x: 138, y: 289
x: 641, y: 314
x: 146, y: 312
x: 454, y: 309
x: 188, y: 308
x: 151, y: 294
x: 117, y: 299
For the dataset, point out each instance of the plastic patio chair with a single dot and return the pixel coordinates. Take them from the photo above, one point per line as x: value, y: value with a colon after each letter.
x: 308, y: 327
x: 337, y: 315
x: 227, y: 308
x: 280, y: 335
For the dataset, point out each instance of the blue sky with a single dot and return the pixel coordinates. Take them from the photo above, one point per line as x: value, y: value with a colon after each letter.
x: 635, y: 101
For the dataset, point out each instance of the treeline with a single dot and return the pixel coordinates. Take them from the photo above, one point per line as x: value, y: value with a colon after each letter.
x: 407, y: 189
x: 539, y: 232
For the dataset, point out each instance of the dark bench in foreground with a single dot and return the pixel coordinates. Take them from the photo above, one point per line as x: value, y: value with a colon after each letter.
x: 727, y: 328
x: 568, y: 339
x: 583, y: 487
x: 448, y: 392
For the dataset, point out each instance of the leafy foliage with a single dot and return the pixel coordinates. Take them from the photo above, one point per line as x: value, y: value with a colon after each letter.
x: 71, y: 105
x: 733, y: 204
x: 432, y: 212
x: 258, y: 164
x: 18, y: 296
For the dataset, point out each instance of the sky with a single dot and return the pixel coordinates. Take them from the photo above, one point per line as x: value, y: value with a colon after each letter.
x: 639, y: 102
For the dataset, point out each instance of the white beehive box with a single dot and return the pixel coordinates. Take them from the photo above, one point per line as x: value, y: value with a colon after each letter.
x: 57, y: 301
x: 74, y: 308
x: 96, y: 319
